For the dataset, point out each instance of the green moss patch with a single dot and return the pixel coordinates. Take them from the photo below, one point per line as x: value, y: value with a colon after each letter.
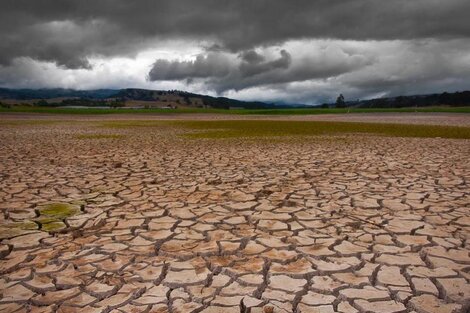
x: 52, y: 215
x: 53, y: 226
x: 257, y: 128
x: 51, y: 218
x: 59, y: 210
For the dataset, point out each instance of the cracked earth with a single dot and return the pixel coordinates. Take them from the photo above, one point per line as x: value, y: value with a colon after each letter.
x: 154, y: 222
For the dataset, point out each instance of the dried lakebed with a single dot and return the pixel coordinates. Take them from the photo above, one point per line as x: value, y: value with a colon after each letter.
x: 180, y: 217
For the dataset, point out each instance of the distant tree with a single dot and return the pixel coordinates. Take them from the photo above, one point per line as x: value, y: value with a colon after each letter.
x: 399, y: 102
x: 5, y: 105
x: 340, y: 101
x: 41, y: 103
x: 117, y: 103
x: 445, y: 98
x: 324, y: 106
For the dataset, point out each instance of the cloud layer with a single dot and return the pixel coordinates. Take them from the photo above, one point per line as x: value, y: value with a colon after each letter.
x: 241, y: 47
x: 362, y: 68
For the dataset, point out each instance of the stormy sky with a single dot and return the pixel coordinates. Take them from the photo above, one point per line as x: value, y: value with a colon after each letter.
x: 294, y: 51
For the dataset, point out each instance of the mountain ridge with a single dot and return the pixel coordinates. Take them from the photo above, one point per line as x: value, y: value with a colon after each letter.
x: 139, y: 97
x: 135, y: 97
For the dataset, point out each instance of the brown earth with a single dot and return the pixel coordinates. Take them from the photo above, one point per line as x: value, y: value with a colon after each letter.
x: 451, y: 119
x: 149, y: 221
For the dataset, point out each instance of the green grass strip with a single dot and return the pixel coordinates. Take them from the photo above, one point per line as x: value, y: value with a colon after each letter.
x: 256, y: 128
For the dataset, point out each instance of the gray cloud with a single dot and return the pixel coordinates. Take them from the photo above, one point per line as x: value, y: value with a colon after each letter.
x: 297, y: 51
x: 211, y: 65
x: 254, y: 64
x: 318, y: 70
x: 252, y: 57
x: 222, y: 71
x: 70, y: 31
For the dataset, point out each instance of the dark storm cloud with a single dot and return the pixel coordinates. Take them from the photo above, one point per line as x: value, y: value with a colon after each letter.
x: 211, y: 65
x: 68, y: 32
x: 294, y: 50
x: 218, y: 65
x: 222, y: 71
x: 316, y: 68
x: 253, y: 63
x: 252, y: 57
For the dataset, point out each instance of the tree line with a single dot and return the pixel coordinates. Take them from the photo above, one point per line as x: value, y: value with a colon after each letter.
x: 456, y: 99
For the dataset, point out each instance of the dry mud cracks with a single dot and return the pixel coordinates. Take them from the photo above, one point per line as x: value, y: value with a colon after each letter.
x: 152, y: 222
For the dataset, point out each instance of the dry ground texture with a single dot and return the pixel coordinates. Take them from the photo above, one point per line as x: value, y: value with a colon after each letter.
x: 451, y: 119
x: 193, y: 216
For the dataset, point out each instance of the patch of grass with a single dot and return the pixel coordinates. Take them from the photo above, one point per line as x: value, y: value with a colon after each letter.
x: 99, y: 136
x: 129, y: 124
x: 254, y: 128
x: 303, y: 111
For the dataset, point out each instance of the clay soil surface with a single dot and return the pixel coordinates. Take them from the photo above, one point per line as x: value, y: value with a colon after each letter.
x: 122, y: 217
x: 450, y: 119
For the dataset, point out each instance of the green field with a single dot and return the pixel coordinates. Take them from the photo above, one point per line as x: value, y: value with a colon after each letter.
x: 231, y: 129
x: 265, y: 128
x: 221, y: 111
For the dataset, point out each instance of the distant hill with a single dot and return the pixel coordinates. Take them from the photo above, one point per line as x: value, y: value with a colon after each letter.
x: 134, y: 97
x: 131, y: 97
x: 182, y: 98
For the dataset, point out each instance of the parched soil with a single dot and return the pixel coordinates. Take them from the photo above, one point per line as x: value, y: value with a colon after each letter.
x: 447, y: 119
x: 132, y: 219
